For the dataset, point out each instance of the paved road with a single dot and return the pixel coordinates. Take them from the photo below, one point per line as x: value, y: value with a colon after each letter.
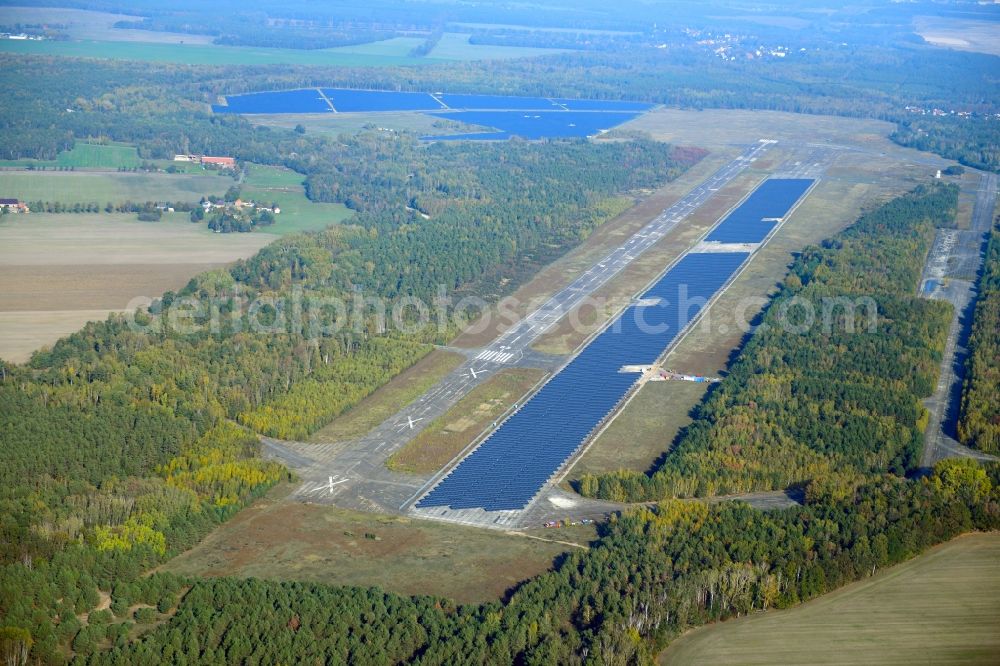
x: 353, y: 474
x: 948, y: 275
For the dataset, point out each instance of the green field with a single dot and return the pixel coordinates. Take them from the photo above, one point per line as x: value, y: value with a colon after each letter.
x: 391, y: 52
x: 104, y: 187
x: 352, y: 123
x: 940, y: 608
x: 283, y: 187
x: 263, y: 183
x: 85, y: 24
x: 87, y: 156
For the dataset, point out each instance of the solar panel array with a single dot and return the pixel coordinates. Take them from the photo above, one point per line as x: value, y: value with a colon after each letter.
x: 527, y: 117
x: 755, y: 217
x: 509, y: 468
x: 306, y: 100
x: 512, y: 465
x: 348, y: 101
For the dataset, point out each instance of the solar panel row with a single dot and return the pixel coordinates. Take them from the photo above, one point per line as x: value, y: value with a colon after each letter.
x: 308, y: 100
x: 755, y: 217
x: 533, y: 124
x: 514, y: 462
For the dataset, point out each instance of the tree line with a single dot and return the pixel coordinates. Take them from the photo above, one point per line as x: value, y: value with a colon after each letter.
x: 979, y: 419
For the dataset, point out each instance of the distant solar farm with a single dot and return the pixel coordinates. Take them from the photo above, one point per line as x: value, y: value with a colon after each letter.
x: 514, y: 463
x: 526, y: 117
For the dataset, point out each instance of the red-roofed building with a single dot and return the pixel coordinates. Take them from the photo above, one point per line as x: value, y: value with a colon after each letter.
x: 221, y: 162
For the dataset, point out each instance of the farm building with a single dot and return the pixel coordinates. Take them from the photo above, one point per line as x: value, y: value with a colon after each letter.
x: 14, y: 206
x: 220, y: 162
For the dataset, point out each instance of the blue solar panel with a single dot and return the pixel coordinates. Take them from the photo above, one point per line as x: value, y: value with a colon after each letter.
x: 497, y: 102
x: 602, y: 105
x: 516, y: 460
x: 307, y: 100
x: 347, y: 101
x: 755, y: 217
x: 533, y: 124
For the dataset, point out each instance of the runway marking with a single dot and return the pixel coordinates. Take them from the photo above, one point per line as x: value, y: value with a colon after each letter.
x: 495, y: 356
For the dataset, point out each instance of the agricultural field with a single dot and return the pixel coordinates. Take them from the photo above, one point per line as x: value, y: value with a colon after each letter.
x: 961, y: 34
x: 94, y: 37
x: 456, y: 46
x: 388, y: 400
x: 108, y: 186
x: 939, y: 608
x: 282, y: 540
x: 208, y: 54
x: 87, y: 156
x: 445, y: 437
x: 81, y: 24
x: 61, y: 271
x: 284, y: 187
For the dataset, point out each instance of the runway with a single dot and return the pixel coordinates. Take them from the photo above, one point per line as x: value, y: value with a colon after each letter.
x: 353, y: 474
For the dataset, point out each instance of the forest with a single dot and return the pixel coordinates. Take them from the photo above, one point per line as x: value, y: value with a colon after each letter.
x: 831, y: 402
x: 979, y: 418
x: 124, y: 447
x: 127, y: 441
x: 973, y: 141
x: 657, y: 570
x: 127, y: 473
x: 653, y: 573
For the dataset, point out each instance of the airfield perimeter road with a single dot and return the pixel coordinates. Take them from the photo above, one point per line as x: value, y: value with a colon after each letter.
x: 950, y: 274
x: 353, y: 474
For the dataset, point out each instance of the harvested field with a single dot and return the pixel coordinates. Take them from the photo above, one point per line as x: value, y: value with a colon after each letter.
x: 102, y: 187
x: 939, y: 608
x: 61, y: 271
